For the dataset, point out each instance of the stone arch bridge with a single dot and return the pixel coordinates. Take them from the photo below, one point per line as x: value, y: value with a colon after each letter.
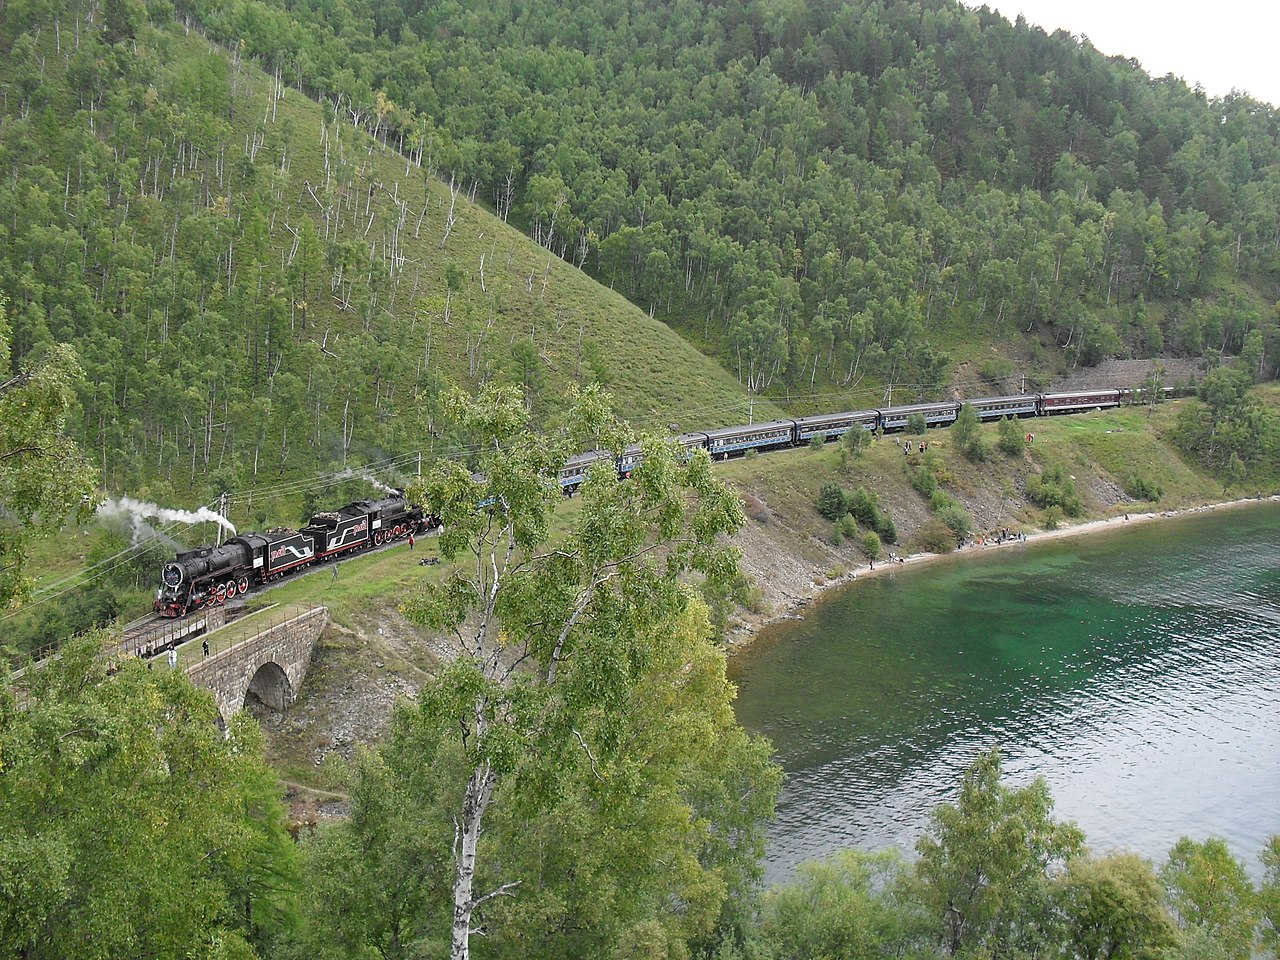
x: 268, y: 665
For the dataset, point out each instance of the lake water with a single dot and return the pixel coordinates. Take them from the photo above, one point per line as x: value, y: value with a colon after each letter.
x: 1137, y: 671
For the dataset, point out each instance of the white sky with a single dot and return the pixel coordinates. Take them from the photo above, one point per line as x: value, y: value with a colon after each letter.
x: 1219, y: 44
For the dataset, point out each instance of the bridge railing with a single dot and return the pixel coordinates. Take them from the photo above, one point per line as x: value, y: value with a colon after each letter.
x: 239, y: 634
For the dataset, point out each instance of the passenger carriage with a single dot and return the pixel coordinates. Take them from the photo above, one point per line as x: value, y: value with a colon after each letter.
x: 689, y: 442
x: 997, y: 408
x: 935, y: 415
x: 1051, y: 403
x: 728, y: 441
x: 831, y: 425
x: 576, y: 468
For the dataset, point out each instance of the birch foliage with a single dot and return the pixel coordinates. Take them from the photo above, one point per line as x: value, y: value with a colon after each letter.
x: 565, y: 625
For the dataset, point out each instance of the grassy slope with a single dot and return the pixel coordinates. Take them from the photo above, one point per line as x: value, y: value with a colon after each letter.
x: 654, y: 374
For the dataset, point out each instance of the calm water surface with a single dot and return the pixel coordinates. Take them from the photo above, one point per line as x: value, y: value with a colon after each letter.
x: 1137, y: 672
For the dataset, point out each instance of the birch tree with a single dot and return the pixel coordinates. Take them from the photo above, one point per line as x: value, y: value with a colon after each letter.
x: 551, y: 630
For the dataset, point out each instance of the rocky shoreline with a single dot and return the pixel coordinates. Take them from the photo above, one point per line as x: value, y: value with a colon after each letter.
x: 796, y: 596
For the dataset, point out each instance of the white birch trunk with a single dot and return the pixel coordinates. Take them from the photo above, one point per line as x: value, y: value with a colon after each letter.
x: 474, y: 803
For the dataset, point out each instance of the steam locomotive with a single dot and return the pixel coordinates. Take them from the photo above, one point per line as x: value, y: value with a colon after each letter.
x: 212, y: 575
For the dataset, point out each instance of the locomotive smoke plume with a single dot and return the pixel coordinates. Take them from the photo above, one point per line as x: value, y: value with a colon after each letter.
x: 137, y: 512
x: 351, y: 473
x: 377, y: 484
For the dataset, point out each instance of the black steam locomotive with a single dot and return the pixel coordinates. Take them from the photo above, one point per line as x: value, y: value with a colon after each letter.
x: 212, y: 575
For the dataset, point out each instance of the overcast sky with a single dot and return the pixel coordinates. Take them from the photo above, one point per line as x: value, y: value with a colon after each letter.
x: 1219, y: 44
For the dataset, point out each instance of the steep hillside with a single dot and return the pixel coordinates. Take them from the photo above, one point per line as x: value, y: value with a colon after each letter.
x: 258, y: 287
x: 833, y: 193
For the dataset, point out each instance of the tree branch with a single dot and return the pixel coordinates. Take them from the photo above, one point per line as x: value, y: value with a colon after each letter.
x: 590, y: 756
x: 13, y: 382
x: 502, y: 891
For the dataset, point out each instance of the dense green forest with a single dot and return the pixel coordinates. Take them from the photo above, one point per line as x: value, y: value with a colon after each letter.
x: 256, y: 287
x: 824, y: 191
x: 265, y: 253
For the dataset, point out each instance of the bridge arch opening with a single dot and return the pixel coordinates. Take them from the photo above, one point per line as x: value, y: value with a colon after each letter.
x: 269, y: 688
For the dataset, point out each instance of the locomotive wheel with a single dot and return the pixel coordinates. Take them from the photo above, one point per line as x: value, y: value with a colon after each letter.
x: 378, y: 538
x: 243, y: 585
x: 231, y: 589
x: 222, y: 593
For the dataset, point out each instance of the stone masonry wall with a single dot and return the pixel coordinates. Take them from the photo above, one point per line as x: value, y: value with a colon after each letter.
x: 283, y: 650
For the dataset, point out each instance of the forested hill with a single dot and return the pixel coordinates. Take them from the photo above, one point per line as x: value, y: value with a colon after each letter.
x: 258, y: 287
x: 266, y: 253
x: 818, y: 190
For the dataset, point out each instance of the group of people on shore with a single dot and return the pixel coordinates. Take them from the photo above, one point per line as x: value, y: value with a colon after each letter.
x: 1003, y: 535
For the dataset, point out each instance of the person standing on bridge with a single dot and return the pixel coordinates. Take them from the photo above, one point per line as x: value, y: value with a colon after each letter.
x: 204, y: 645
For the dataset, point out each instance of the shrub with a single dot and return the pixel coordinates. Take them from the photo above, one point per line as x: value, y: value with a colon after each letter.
x: 967, y: 434
x: 1052, y: 518
x: 848, y: 527
x: 888, y: 530
x: 996, y: 369
x: 965, y: 429
x: 871, y: 545
x: 1054, y: 488
x: 936, y: 537
x: 837, y: 537
x: 924, y: 479
x: 957, y: 520
x: 865, y: 507
x: 750, y: 454
x: 1012, y: 441
x: 816, y: 443
x: 856, y: 440
x: 941, y: 500
x: 1140, y: 488
x: 831, y: 502
x: 916, y: 424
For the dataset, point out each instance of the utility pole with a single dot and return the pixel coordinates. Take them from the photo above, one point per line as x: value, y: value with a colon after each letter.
x: 751, y: 408
x: 419, y: 464
x: 222, y: 512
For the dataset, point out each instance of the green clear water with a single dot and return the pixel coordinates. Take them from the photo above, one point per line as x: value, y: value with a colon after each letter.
x: 1137, y: 671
